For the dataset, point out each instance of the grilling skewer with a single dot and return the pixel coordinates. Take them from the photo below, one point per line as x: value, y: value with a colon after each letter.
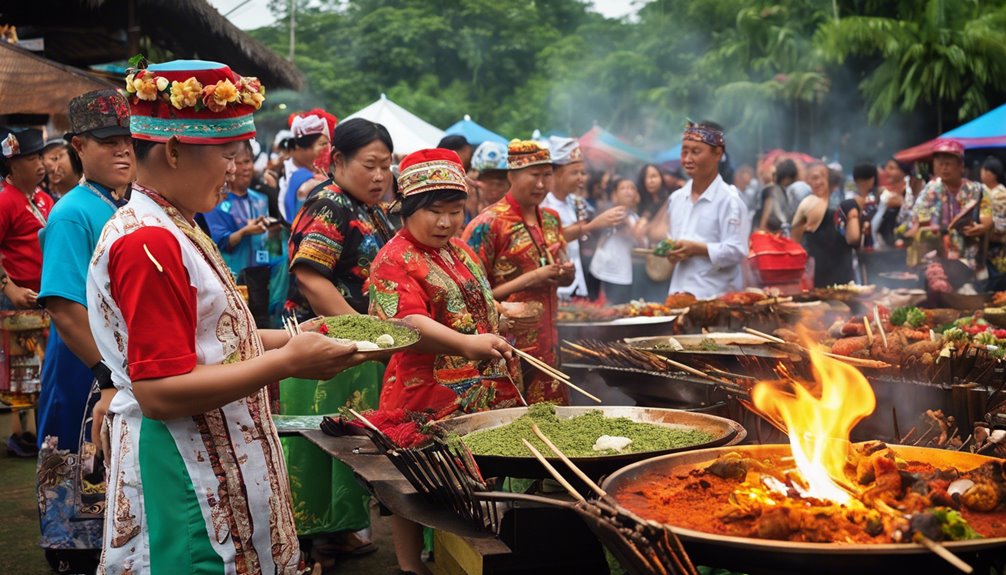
x: 678, y: 555
x: 553, y: 373
x: 854, y: 361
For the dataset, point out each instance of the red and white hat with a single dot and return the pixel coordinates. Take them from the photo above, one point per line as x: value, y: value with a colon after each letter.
x: 429, y: 170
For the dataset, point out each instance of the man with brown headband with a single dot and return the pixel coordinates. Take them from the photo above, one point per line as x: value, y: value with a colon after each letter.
x: 707, y: 219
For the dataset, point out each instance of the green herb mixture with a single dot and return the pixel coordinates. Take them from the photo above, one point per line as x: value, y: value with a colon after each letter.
x: 367, y: 328
x: 576, y: 436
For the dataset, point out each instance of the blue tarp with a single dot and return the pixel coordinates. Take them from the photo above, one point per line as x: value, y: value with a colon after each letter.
x: 474, y: 133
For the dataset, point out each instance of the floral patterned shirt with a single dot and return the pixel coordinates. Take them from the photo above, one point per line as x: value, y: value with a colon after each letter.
x: 337, y: 236
x: 509, y: 248
x: 937, y: 208
x: 450, y: 286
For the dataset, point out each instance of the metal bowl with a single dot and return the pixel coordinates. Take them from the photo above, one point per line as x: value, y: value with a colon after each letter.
x: 753, y: 555
x: 724, y: 432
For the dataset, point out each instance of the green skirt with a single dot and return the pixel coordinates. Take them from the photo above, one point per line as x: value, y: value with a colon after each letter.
x: 326, y: 496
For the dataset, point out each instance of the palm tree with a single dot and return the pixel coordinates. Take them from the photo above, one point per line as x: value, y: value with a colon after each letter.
x: 938, y: 52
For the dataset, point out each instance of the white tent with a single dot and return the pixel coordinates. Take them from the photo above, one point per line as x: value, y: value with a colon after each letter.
x: 408, y: 131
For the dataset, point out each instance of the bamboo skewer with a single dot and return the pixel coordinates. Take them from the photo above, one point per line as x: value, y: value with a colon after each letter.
x: 552, y: 471
x: 553, y: 373
x: 945, y: 554
x: 869, y: 330
x: 880, y: 326
x: 871, y: 363
x: 583, y: 476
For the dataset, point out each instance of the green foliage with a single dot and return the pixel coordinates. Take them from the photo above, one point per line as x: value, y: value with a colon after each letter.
x: 946, y: 53
x: 771, y: 71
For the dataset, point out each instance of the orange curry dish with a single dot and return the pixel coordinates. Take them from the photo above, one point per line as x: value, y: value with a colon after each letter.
x: 892, y: 500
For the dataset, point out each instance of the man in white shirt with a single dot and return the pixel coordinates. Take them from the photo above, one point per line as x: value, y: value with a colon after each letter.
x: 709, y: 223
x: 570, y: 177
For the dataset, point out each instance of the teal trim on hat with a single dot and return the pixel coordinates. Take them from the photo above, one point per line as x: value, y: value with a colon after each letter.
x: 185, y: 66
x: 162, y: 129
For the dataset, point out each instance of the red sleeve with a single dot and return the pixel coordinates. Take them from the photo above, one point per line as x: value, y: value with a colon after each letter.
x: 157, y: 303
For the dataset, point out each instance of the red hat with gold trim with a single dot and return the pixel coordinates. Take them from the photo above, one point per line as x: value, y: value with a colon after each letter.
x: 195, y: 101
x: 431, y: 169
x: 526, y: 153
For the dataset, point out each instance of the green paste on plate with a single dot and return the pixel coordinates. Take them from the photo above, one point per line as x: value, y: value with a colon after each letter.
x: 368, y: 328
x: 575, y: 436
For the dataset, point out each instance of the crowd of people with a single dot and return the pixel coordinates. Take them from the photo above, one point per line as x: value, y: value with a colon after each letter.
x: 165, y: 247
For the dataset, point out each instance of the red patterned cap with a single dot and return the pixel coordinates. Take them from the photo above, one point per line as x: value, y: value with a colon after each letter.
x: 431, y: 169
x: 952, y: 147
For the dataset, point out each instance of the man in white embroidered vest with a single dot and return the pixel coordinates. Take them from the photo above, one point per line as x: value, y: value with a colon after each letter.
x: 196, y: 479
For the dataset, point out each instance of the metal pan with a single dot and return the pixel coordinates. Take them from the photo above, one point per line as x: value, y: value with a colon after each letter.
x: 724, y: 432
x: 753, y: 555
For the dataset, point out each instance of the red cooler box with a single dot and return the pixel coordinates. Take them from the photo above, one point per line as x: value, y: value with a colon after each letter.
x: 776, y: 259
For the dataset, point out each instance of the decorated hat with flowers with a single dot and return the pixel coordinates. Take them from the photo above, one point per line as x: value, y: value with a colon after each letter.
x: 525, y: 153
x: 197, y: 102
x: 431, y: 169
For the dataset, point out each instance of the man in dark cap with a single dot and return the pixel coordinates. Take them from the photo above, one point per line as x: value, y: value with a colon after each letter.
x: 24, y: 208
x: 71, y: 500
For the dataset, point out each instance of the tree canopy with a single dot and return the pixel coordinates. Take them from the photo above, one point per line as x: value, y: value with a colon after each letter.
x: 836, y: 78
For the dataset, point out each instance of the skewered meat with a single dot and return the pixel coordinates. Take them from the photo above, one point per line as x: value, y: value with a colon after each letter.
x: 849, y: 346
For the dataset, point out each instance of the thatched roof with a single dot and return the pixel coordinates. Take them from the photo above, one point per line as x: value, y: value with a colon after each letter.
x: 86, y: 32
x: 35, y: 85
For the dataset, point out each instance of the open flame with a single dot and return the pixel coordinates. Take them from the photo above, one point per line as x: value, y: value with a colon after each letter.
x: 819, y: 427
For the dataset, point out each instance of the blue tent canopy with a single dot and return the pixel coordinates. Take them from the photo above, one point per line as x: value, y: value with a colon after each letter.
x: 985, y: 131
x: 474, y: 133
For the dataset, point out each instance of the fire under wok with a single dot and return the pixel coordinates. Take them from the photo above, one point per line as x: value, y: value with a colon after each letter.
x: 722, y: 431
x: 633, y: 486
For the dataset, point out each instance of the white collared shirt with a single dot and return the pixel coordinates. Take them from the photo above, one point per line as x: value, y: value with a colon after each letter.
x: 720, y: 220
x: 567, y: 215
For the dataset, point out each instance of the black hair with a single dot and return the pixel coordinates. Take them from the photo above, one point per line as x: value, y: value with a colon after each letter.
x: 994, y: 165
x: 4, y: 167
x: 617, y: 181
x: 141, y: 148
x: 414, y: 203
x: 864, y: 171
x: 785, y: 170
x: 75, y: 163
x: 905, y: 167
x: 303, y: 142
x: 352, y: 135
x: 247, y: 147
x: 454, y: 142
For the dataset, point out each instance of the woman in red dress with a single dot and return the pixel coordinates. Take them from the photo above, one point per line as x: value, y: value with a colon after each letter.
x: 524, y: 253
x: 431, y: 279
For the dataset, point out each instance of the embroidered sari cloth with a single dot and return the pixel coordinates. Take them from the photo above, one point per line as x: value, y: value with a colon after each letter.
x: 508, y: 248
x: 449, y: 286
x: 200, y: 494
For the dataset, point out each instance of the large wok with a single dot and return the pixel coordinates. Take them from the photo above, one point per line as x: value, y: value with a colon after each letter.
x: 752, y: 555
x: 724, y: 432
